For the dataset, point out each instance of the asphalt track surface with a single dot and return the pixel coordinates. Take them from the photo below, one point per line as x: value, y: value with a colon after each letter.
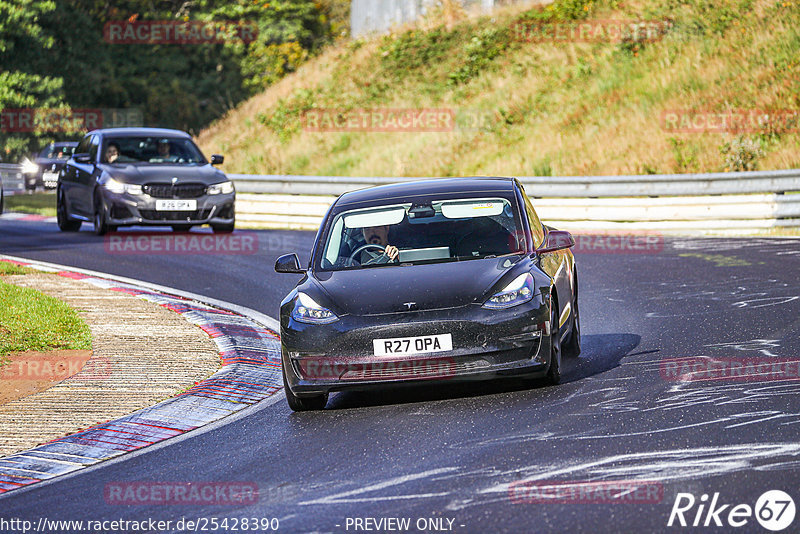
x: 450, y: 452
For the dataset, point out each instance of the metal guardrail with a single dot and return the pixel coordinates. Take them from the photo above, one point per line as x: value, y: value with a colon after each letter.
x: 11, y: 176
x: 544, y: 186
x: 672, y: 203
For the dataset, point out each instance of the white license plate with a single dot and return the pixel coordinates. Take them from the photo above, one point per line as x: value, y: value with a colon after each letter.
x: 412, y: 345
x: 50, y: 177
x: 176, y: 205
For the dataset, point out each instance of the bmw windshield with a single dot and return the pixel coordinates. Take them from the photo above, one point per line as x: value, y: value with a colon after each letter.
x: 151, y: 149
x: 435, y: 232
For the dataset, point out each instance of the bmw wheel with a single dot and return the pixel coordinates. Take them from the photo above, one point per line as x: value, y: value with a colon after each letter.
x: 65, y: 224
x: 101, y: 226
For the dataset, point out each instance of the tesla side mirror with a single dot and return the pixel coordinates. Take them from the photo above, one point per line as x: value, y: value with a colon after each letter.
x: 556, y: 240
x: 217, y: 159
x: 288, y: 263
x: 82, y: 158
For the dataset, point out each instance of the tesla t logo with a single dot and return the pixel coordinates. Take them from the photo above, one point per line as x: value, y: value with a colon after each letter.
x: 410, y: 305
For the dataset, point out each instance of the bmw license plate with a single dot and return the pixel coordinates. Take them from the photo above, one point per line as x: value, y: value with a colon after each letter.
x: 176, y: 205
x: 412, y: 345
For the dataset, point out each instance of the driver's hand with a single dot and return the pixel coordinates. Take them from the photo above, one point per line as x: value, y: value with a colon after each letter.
x: 392, y: 252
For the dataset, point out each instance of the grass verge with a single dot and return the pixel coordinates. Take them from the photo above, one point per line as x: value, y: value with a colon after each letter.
x: 36, y: 203
x: 31, y: 320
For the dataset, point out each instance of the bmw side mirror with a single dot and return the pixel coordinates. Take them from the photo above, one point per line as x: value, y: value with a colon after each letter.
x: 217, y: 159
x: 82, y: 158
x: 556, y: 240
x: 288, y: 263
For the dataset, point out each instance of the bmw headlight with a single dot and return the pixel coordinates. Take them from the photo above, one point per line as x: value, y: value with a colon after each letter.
x: 306, y: 310
x: 29, y: 167
x: 119, y: 188
x: 224, y: 188
x: 519, y: 291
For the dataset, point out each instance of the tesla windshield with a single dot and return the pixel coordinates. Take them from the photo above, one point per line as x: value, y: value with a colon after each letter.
x: 438, y: 231
x: 150, y: 149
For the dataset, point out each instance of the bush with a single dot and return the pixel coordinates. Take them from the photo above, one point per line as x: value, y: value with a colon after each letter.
x: 741, y: 154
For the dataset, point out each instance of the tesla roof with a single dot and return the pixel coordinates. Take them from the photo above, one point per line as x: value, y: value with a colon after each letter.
x: 425, y: 188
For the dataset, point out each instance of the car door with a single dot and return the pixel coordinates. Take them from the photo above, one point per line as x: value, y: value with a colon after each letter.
x: 69, y: 177
x: 85, y: 179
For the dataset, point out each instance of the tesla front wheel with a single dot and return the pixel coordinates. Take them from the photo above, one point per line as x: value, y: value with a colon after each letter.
x: 303, y: 404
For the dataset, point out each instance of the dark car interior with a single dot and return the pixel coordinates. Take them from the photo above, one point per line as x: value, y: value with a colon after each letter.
x: 465, y: 238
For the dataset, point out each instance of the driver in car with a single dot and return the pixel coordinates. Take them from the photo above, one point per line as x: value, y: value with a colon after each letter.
x: 164, y: 154
x: 378, y: 235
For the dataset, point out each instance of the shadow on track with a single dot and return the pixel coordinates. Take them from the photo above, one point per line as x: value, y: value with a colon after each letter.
x: 600, y: 353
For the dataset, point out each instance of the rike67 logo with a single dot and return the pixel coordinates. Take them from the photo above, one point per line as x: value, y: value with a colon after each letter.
x: 774, y: 510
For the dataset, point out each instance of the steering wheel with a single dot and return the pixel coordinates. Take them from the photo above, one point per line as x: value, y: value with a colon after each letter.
x: 361, y: 248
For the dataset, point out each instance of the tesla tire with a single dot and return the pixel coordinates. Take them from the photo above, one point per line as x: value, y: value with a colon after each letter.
x: 303, y: 404
x: 554, y: 372
x: 572, y: 347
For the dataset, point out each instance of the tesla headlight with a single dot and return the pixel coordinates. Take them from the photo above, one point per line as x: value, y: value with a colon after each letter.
x: 306, y: 310
x: 118, y: 187
x: 224, y: 188
x: 519, y: 291
x: 29, y: 167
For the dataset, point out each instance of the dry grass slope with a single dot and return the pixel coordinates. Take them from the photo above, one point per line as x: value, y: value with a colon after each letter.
x: 536, y: 108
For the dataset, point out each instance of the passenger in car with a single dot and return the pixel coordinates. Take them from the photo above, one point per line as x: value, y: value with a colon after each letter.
x: 112, y: 153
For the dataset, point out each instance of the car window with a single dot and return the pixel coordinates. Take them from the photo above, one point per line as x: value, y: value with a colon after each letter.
x: 537, y: 231
x: 83, y: 146
x: 56, y: 152
x: 93, y: 145
x: 453, y: 229
x: 154, y: 150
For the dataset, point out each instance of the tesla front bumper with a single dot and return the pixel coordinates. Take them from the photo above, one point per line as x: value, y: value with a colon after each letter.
x: 485, y: 344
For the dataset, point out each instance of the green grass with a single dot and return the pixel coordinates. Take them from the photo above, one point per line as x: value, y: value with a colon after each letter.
x: 7, y: 267
x: 36, y: 203
x: 31, y: 320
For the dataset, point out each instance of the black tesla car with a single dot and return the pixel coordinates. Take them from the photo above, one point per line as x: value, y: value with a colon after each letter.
x: 448, y: 279
x: 43, y: 169
x: 143, y: 176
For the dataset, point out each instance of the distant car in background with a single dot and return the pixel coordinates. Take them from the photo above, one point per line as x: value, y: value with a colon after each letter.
x: 43, y: 169
x: 143, y: 176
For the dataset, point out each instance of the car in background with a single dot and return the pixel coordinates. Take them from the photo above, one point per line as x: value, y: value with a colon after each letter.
x: 143, y: 176
x: 447, y: 279
x: 43, y: 169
